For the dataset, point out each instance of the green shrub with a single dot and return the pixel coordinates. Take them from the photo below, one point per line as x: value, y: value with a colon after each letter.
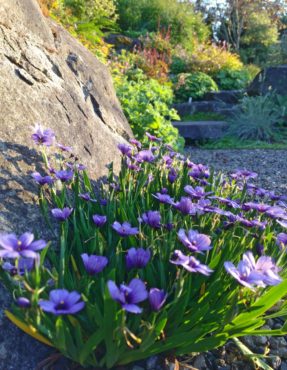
x: 146, y: 104
x: 146, y: 16
x: 193, y: 85
x: 209, y: 58
x: 228, y: 79
x: 178, y: 65
x: 257, y: 119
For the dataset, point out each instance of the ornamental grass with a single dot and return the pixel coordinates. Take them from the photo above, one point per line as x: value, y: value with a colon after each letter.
x: 165, y: 258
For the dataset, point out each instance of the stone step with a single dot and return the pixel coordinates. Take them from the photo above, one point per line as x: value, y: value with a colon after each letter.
x: 198, y: 130
x: 226, y: 96
x: 202, y: 106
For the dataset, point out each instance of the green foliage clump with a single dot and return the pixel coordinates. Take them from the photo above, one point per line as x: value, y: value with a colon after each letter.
x: 88, y: 21
x: 193, y: 85
x: 154, y: 57
x: 203, y: 116
x: 257, y: 39
x: 229, y: 79
x: 185, y: 24
x: 104, y: 315
x: 146, y: 103
x: 257, y: 118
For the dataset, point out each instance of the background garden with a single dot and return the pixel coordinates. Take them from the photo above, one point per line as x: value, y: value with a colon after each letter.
x: 163, y: 52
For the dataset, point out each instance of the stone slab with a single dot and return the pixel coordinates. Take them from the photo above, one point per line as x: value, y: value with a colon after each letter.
x: 199, y: 130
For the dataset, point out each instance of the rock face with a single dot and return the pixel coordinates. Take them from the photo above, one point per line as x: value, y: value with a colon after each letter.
x: 48, y: 77
x: 270, y: 79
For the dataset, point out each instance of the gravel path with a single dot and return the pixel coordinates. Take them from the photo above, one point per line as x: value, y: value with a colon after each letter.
x: 20, y: 352
x: 271, y: 165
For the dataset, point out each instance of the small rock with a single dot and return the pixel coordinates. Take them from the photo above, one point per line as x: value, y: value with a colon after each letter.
x: 283, y: 366
x: 151, y: 363
x: 3, y: 351
x: 136, y: 367
x: 260, y: 340
x: 275, y: 362
x: 199, y: 362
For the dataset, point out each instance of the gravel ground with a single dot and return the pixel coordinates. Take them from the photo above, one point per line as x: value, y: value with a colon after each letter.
x: 20, y: 352
x: 271, y: 165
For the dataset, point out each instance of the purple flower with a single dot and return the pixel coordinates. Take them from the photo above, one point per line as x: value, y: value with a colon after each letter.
x: 62, y: 302
x: 135, y: 143
x: 145, y: 156
x: 204, y: 205
x: 189, y: 263
x: 260, y: 207
x: 43, y: 136
x: 80, y: 167
x: 163, y: 198
x: 199, y: 171
x: 42, y: 180
x: 23, y: 265
x: 172, y: 175
x: 23, y: 302
x: 282, y: 223
x: 99, y: 220
x: 243, y: 175
x: 152, y: 218
x: 250, y: 273
x: 125, y: 229
x: 24, y: 246
x: 94, y: 264
x: 227, y: 201
x: 64, y: 175
x: 87, y: 197
x: 61, y: 214
x: 276, y: 212
x: 132, y: 166
x: 103, y: 202
x: 169, y: 226
x: 281, y: 240
x: 260, y: 224
x: 167, y: 160
x: 152, y: 138
x: 197, y: 192
x: 65, y: 148
x: 125, y: 149
x: 137, y: 258
x: 129, y: 295
x: 150, y: 178
x: 186, y: 206
x: 156, y: 298
x: 194, y: 241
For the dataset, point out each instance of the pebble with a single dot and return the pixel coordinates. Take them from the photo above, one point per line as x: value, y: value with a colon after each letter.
x: 3, y: 352
x: 200, y: 362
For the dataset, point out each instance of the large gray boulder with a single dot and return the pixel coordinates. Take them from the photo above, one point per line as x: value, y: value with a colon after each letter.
x: 49, y: 77
x: 269, y: 79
